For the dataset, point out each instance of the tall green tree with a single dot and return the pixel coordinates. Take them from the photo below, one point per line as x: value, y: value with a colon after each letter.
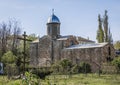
x: 100, y: 32
x: 117, y: 45
x: 110, y: 39
x: 103, y: 32
x: 105, y: 25
x: 107, y: 33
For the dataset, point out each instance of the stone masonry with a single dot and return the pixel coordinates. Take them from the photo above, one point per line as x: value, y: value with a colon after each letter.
x: 54, y: 47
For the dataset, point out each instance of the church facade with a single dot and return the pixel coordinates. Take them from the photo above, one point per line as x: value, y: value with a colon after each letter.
x: 54, y: 47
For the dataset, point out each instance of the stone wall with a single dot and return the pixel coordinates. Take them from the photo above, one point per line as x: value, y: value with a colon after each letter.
x: 34, y: 54
x: 48, y: 51
x: 94, y: 56
x: 44, y: 58
x: 57, y: 48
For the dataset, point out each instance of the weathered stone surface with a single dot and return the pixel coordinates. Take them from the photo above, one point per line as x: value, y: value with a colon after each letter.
x: 34, y: 54
x: 48, y: 51
x: 53, y: 47
x: 94, y: 56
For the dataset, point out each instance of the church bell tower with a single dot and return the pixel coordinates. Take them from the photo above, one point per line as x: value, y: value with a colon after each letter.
x: 53, y: 26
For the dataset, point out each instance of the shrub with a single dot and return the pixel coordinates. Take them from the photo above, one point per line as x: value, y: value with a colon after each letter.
x: 84, y: 67
x: 41, y: 72
x: 8, y: 57
x: 65, y: 62
x: 75, y: 69
x: 9, y: 64
x: 30, y: 79
x: 116, y: 62
x: 56, y: 68
x: 66, y: 65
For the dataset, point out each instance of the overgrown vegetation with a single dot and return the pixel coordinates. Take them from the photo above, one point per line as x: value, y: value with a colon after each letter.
x: 76, y: 79
x: 65, y: 66
x: 11, y: 48
x: 64, y: 72
x: 116, y: 62
x: 117, y: 45
x: 41, y: 72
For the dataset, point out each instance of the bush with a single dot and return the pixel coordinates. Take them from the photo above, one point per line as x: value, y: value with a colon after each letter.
x: 8, y: 57
x: 84, y: 67
x: 56, y: 68
x: 66, y: 66
x: 41, y: 72
x: 65, y: 62
x: 116, y: 62
x: 75, y: 69
x: 8, y: 60
x: 30, y: 79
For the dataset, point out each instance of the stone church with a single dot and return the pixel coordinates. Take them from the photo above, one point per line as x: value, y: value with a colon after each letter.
x: 54, y: 47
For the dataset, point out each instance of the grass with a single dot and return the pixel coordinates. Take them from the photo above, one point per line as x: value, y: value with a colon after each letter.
x: 77, y: 79
x: 5, y: 81
x: 81, y: 79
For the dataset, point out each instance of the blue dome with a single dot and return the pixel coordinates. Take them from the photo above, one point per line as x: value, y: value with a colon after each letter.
x: 53, y: 19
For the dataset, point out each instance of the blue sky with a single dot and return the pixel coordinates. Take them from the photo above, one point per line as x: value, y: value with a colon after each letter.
x: 78, y: 17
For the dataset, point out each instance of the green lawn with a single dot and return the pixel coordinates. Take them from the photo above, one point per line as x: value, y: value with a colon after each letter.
x: 78, y: 79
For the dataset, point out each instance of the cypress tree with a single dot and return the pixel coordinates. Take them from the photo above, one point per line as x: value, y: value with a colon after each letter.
x: 110, y: 39
x: 100, y: 32
x: 105, y: 25
x: 103, y: 35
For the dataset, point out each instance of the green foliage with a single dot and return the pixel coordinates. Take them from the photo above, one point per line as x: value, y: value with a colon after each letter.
x: 0, y: 54
x: 66, y: 66
x: 41, y: 72
x: 75, y: 69
x: 20, y: 53
x: 65, y: 62
x: 56, y: 68
x: 85, y: 67
x: 103, y: 35
x: 100, y: 32
x: 9, y: 64
x: 32, y: 37
x: 8, y: 57
x: 116, y: 62
x: 76, y: 79
x: 30, y: 79
x: 100, y: 35
x: 18, y: 61
x: 117, y: 45
x: 10, y: 70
